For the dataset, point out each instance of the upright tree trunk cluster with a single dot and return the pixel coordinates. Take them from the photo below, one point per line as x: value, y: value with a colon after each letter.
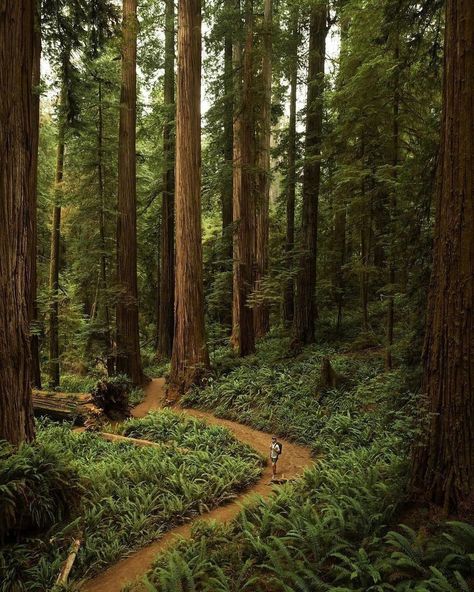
x: 17, y: 107
x: 128, y: 338
x: 190, y: 357
x: 443, y: 465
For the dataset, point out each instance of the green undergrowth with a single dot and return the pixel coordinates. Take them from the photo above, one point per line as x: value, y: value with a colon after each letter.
x: 336, y: 529
x: 130, y: 494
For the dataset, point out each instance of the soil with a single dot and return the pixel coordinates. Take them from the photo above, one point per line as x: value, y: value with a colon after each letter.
x: 292, y: 463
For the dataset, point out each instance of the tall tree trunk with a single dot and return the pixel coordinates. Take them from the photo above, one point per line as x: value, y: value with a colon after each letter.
x: 393, y: 201
x: 103, y: 255
x: 261, y: 310
x: 128, y: 336
x: 243, y: 202
x: 54, y: 262
x: 443, y: 465
x: 226, y: 187
x: 288, y: 297
x: 166, y: 311
x: 190, y: 358
x: 305, y: 305
x: 16, y: 135
x: 32, y: 253
x: 340, y: 256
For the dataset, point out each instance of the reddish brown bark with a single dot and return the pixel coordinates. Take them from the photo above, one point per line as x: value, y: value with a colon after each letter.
x: 16, y: 160
x: 262, y: 223
x: 128, y: 337
x: 32, y: 254
x: 305, y: 304
x: 190, y: 358
x: 443, y: 465
x: 288, y: 297
x: 166, y: 297
x: 54, y: 262
x: 243, y: 336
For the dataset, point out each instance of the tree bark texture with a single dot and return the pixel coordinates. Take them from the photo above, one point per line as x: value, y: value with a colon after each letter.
x: 190, y: 359
x: 289, y: 291
x: 16, y: 161
x: 443, y: 465
x: 32, y: 254
x: 166, y: 298
x: 128, y: 337
x: 305, y: 304
x: 262, y: 201
x: 55, y: 254
x: 244, y: 188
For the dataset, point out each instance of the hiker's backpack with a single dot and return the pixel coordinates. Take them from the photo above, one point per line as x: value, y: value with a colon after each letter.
x: 280, y: 448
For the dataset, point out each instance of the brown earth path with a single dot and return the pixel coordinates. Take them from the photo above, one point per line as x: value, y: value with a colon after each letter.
x: 293, y: 461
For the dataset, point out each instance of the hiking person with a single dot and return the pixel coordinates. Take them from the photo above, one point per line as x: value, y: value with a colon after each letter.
x: 275, y: 451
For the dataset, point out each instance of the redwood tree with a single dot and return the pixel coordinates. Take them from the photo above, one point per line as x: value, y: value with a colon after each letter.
x: 166, y: 296
x: 288, y: 295
x: 261, y: 310
x: 243, y: 332
x: 443, y: 465
x: 35, y: 116
x: 190, y: 357
x: 128, y: 338
x: 305, y: 304
x: 16, y: 105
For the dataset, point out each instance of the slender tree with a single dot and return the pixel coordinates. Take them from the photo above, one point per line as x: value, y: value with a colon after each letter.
x: 305, y: 305
x: 228, y: 121
x: 190, y: 358
x: 166, y: 297
x: 128, y: 337
x: 443, y: 465
x: 35, y: 117
x: 288, y: 297
x: 261, y: 310
x: 54, y: 261
x: 17, y: 159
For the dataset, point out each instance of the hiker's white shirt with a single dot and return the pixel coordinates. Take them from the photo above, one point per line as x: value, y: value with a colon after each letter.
x: 274, y: 450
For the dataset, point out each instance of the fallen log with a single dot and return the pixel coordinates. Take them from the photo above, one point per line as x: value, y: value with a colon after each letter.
x: 74, y: 407
x: 68, y: 564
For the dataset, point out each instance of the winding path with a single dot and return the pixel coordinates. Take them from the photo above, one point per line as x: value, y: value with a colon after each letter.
x: 292, y: 463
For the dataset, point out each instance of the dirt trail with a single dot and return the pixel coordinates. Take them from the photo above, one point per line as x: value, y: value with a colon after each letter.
x: 291, y: 464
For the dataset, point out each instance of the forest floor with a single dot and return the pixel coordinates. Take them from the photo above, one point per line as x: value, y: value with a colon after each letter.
x: 294, y: 460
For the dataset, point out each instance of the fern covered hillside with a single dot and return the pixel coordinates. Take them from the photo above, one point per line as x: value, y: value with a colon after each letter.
x: 237, y: 296
x: 115, y: 496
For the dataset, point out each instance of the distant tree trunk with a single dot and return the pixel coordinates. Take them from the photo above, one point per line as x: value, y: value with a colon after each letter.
x: 288, y: 298
x: 54, y: 262
x: 103, y: 257
x: 443, y: 466
x: 261, y: 310
x: 16, y: 148
x: 227, y: 176
x: 32, y: 253
x: 226, y: 187
x: 128, y: 337
x: 393, y: 200
x: 243, y: 202
x: 190, y: 358
x: 340, y: 255
x: 305, y: 305
x: 166, y: 311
